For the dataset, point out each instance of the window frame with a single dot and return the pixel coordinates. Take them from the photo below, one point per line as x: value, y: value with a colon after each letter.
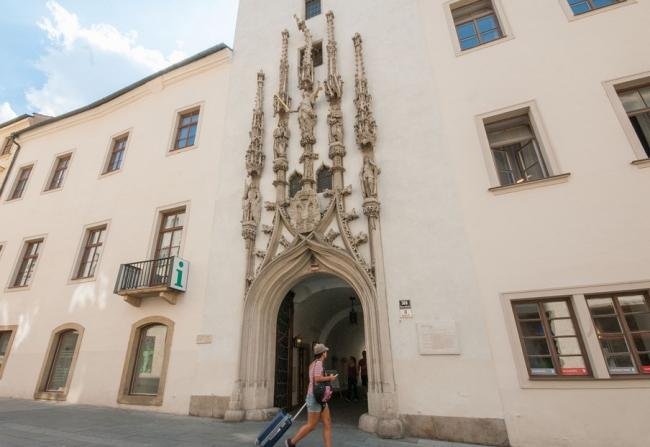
x: 555, y: 356
x: 127, y: 134
x: 160, y: 233
x: 612, y: 89
x: 130, y: 362
x: 49, y: 187
x: 554, y: 172
x: 502, y: 21
x: 7, y: 145
x: 178, y: 116
x: 12, y: 329
x: 568, y: 11
x: 17, y: 179
x: 22, y: 256
x: 320, y: 9
x: 41, y: 392
x: 79, y: 259
x: 627, y: 334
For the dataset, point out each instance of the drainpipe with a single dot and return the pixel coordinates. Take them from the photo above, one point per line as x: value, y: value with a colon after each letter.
x: 13, y: 137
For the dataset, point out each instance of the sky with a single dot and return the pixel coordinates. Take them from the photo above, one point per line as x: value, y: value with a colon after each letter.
x: 62, y: 54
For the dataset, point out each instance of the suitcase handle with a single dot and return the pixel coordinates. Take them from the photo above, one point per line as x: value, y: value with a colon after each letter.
x: 298, y: 413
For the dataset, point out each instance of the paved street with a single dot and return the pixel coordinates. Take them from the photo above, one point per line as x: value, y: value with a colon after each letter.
x: 29, y: 423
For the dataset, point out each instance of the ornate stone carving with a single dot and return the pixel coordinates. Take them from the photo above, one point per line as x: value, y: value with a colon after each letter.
x: 371, y: 208
x: 334, y: 92
x: 331, y: 235
x: 307, y: 116
x: 306, y: 68
x: 365, y: 126
x: 254, y: 155
x: 352, y: 215
x: 360, y: 238
x: 305, y: 211
x: 267, y: 229
x: 369, y: 174
x: 281, y: 134
x: 252, y: 204
x: 284, y: 242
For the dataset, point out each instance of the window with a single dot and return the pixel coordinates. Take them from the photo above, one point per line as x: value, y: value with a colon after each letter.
x: 515, y: 150
x: 170, y: 234
x: 551, y: 345
x: 312, y: 8
x: 476, y: 23
x: 582, y: 6
x: 324, y: 179
x: 58, y: 175
x: 6, y: 340
x: 186, y: 132
x: 21, y: 182
x: 636, y: 102
x: 118, y: 147
x: 622, y: 323
x: 143, y: 376
x: 295, y: 184
x: 56, y: 373
x: 6, y: 147
x: 316, y: 54
x: 28, y: 263
x: 92, y: 250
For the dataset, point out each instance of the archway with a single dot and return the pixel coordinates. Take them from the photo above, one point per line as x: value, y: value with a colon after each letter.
x: 253, y: 395
x: 322, y: 308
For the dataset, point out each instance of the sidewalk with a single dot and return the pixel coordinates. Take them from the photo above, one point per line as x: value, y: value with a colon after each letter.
x: 29, y: 423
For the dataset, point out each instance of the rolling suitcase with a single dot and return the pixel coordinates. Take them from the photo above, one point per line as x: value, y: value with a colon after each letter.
x: 277, y: 428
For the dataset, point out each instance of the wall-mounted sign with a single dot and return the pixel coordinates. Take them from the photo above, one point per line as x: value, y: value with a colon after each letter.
x: 439, y: 337
x: 180, y: 270
x: 405, y: 311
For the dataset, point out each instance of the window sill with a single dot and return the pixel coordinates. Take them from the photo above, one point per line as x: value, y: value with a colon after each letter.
x: 82, y: 280
x: 552, y: 180
x: 109, y: 173
x: 642, y: 163
x: 17, y: 288
x: 182, y: 151
x: 51, y: 395
x: 129, y: 399
x: 614, y: 382
x: 460, y: 52
x: 50, y: 191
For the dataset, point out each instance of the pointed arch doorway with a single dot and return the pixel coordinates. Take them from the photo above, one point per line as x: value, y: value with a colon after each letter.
x: 321, y: 308
x: 254, y: 391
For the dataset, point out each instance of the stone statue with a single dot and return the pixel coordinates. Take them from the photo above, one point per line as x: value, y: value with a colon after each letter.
x: 307, y: 114
x: 335, y: 121
x: 369, y: 175
x: 251, y: 204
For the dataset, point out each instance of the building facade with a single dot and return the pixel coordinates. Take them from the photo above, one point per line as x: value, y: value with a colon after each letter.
x: 453, y: 187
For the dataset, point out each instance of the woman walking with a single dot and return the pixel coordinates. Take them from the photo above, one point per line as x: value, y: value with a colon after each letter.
x: 353, y: 393
x: 315, y: 410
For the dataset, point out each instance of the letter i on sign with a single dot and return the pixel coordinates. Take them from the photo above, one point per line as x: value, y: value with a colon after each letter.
x: 179, y: 274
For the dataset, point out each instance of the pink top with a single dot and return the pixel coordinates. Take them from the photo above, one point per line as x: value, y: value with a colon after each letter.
x: 315, y: 369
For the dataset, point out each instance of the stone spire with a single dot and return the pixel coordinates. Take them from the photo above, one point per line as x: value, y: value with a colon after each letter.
x: 252, y: 200
x: 334, y: 92
x: 281, y: 134
x: 365, y: 126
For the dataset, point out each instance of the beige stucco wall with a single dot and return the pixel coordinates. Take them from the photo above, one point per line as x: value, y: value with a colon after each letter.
x: 128, y: 201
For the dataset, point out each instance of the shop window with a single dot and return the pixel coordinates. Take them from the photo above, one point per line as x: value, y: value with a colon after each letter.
x: 59, y: 363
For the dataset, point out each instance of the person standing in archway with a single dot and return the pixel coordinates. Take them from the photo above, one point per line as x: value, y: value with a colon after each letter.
x: 353, y: 394
x: 315, y: 410
x: 363, y: 372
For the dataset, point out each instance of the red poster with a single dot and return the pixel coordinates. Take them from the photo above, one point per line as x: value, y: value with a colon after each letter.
x: 574, y: 371
x: 646, y: 369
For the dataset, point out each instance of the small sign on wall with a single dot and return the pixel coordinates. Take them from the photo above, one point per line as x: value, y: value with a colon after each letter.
x: 439, y: 337
x: 180, y: 270
x: 405, y: 311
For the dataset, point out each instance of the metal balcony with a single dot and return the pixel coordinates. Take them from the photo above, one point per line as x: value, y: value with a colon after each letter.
x: 165, y: 278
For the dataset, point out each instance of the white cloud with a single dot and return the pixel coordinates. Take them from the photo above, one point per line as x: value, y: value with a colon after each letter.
x: 6, y: 112
x: 83, y: 63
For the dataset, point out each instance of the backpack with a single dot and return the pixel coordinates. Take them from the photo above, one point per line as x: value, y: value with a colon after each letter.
x: 322, y: 390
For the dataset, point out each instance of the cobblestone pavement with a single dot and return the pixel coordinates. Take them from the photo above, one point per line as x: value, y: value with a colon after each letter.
x: 29, y: 423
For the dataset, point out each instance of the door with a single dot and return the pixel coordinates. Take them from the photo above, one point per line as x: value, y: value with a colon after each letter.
x: 284, y: 354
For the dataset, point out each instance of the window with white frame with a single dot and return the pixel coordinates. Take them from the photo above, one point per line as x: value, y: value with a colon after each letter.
x: 312, y: 8
x: 636, y: 102
x: 583, y: 6
x: 116, y: 156
x: 515, y: 148
x: 476, y: 23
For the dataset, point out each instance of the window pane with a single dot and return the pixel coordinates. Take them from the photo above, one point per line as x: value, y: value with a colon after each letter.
x: 466, y: 30
x: 621, y: 364
x: 489, y: 36
x: 603, y: 3
x: 632, y: 100
x: 469, y: 43
x: 634, y: 303
x: 642, y: 342
x: 527, y: 311
x: 567, y: 346
x: 537, y: 347
x: 532, y: 328
x: 614, y: 346
x: 638, y: 322
x: 562, y: 327
x: 645, y: 93
x: 607, y: 325
x: 4, y: 342
x: 573, y: 366
x: 541, y: 366
x: 487, y: 23
x: 601, y: 306
x: 149, y: 360
x: 556, y: 309
x: 580, y: 8
x: 62, y: 361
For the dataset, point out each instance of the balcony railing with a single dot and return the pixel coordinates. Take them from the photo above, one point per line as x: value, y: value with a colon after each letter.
x: 164, y: 277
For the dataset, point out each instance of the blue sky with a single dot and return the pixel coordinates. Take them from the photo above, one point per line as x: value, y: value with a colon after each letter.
x: 63, y: 54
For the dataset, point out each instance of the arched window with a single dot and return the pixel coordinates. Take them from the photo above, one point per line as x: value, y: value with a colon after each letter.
x: 60, y: 359
x: 143, y: 377
x: 294, y: 184
x: 324, y: 179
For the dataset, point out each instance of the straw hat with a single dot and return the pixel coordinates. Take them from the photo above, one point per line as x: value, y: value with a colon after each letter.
x: 319, y: 348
